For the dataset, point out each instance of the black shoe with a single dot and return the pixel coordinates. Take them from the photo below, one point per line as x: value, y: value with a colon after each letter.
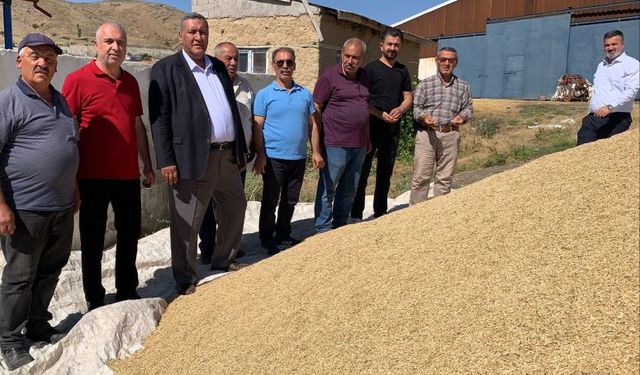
x: 15, y: 357
x: 50, y: 336
x: 271, y: 248
x: 128, y: 296
x: 288, y: 242
x: 94, y: 305
x: 186, y: 289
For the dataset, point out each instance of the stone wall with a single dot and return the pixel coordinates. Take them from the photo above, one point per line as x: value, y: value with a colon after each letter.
x: 249, y: 8
x: 272, y: 32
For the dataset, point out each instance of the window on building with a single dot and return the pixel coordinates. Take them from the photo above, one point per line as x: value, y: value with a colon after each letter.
x: 253, y: 60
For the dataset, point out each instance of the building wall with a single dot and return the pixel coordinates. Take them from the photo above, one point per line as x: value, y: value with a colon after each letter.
x: 525, y: 58
x: 336, y: 32
x: 585, y: 45
x: 272, y: 32
x: 248, y: 8
x: 470, y: 16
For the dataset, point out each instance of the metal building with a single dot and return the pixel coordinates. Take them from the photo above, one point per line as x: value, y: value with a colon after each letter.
x: 519, y: 48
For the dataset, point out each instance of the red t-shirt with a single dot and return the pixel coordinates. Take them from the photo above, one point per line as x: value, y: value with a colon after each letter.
x: 106, y: 110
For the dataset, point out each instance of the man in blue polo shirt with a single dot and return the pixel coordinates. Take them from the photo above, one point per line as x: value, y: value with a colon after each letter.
x: 283, y: 121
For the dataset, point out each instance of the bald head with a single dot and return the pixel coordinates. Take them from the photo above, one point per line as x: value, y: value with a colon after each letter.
x: 227, y: 52
x: 109, y: 26
x: 111, y: 47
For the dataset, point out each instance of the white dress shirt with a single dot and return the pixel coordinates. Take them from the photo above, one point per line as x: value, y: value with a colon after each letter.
x: 220, y: 117
x: 615, y: 84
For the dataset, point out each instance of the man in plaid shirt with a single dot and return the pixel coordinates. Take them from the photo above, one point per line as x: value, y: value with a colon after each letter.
x: 441, y: 103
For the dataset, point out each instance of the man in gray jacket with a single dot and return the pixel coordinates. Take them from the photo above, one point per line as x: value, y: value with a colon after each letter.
x: 38, y: 165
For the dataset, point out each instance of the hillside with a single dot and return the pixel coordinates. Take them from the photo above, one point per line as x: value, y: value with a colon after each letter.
x: 148, y: 25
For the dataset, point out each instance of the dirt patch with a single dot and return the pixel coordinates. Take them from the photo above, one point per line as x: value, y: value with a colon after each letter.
x: 532, y: 270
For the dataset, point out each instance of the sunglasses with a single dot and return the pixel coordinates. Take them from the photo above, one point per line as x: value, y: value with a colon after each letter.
x: 280, y: 63
x: 449, y: 60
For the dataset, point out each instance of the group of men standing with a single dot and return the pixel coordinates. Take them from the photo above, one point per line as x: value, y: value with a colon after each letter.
x: 80, y: 149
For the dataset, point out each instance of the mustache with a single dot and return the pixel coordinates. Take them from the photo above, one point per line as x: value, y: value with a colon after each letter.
x: 39, y: 69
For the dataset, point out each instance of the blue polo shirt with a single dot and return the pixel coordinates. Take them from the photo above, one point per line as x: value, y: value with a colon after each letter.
x: 286, y: 120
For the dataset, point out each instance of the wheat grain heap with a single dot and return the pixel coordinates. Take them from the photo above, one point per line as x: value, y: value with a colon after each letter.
x: 531, y: 270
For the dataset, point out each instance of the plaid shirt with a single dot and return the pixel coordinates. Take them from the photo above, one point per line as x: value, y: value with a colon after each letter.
x: 442, y: 101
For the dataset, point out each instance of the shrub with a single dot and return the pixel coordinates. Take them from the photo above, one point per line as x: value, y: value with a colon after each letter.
x: 487, y: 127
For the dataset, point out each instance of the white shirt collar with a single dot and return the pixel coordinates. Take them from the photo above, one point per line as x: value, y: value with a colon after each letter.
x: 192, y: 64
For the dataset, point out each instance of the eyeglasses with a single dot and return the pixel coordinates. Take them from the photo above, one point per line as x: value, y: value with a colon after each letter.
x: 280, y: 63
x: 450, y: 60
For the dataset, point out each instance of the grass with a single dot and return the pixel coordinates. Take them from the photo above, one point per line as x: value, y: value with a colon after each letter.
x: 498, y: 135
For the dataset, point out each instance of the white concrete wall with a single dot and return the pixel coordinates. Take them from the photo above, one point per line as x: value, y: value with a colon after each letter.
x: 154, y: 200
x: 427, y: 68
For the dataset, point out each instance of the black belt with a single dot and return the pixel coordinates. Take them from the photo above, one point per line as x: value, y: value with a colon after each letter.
x: 222, y: 146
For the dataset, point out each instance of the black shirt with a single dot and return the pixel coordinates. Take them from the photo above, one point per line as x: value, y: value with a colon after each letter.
x: 387, y: 84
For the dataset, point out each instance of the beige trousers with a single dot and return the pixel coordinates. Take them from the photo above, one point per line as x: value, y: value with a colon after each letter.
x: 434, y: 150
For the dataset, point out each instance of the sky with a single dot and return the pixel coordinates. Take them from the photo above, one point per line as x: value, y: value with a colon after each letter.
x: 384, y: 11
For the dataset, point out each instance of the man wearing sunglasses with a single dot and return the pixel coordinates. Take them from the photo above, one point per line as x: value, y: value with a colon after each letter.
x: 390, y: 99
x: 284, y: 120
x: 441, y: 104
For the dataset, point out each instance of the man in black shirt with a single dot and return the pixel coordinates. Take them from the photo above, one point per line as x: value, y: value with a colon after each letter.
x: 390, y: 97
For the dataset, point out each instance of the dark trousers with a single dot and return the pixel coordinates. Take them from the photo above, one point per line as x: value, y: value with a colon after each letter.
x: 384, y: 139
x: 187, y: 203
x: 594, y: 128
x: 124, y: 196
x: 208, y: 228
x: 35, y: 254
x: 282, y: 180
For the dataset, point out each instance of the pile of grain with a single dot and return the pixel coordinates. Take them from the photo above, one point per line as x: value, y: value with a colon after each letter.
x: 531, y: 270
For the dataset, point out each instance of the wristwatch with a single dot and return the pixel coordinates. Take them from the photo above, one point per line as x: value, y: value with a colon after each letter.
x: 610, y: 107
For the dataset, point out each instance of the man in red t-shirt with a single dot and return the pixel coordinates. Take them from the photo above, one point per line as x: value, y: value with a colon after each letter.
x: 106, y: 102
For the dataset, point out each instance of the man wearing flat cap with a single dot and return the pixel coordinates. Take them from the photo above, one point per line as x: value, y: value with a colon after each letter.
x: 38, y: 165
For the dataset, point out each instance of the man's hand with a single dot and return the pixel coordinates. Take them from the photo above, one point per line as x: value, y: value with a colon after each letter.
x: 170, y: 174
x: 149, y: 176
x: 429, y: 121
x: 7, y: 220
x: 317, y: 161
x: 260, y: 164
x: 386, y: 117
x: 395, y: 114
x: 457, y: 121
x: 602, y: 112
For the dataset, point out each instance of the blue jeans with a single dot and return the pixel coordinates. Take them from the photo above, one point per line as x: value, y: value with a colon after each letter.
x: 337, y: 185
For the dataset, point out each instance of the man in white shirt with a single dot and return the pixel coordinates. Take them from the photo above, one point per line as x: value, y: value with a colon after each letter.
x: 200, y: 148
x: 228, y: 53
x: 615, y: 84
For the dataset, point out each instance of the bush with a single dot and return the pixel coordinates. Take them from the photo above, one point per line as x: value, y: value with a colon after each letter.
x: 487, y: 127
x: 496, y: 158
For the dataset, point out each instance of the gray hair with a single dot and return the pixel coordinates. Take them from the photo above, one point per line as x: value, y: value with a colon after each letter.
x: 614, y: 33
x: 218, y: 49
x: 283, y: 49
x: 193, y: 16
x: 112, y: 24
x: 354, y: 41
